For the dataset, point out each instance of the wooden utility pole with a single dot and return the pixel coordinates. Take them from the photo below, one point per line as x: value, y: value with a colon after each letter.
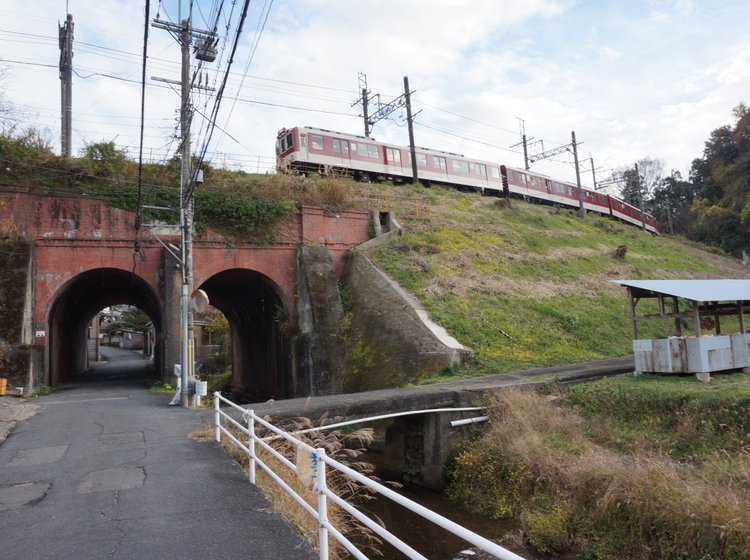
x: 410, y: 122
x: 65, y: 34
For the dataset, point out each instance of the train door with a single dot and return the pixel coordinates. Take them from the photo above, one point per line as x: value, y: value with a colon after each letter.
x: 394, y: 162
x: 441, y: 168
x: 341, y: 150
x: 303, y: 155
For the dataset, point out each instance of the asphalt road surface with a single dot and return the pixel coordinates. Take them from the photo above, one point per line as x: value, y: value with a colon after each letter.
x: 106, y: 470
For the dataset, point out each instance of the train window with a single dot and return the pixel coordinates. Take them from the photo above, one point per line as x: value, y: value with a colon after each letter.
x: 373, y: 151
x: 303, y: 140
x: 495, y: 173
x: 353, y: 146
x: 534, y: 182
x: 460, y: 166
x: 421, y: 160
x: 316, y: 142
x: 560, y: 189
x: 522, y: 179
x: 362, y: 150
x: 340, y: 146
x: 394, y: 156
x: 478, y: 169
x: 440, y: 163
x: 285, y: 142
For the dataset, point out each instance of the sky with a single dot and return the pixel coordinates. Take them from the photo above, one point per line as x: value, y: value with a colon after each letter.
x: 633, y: 79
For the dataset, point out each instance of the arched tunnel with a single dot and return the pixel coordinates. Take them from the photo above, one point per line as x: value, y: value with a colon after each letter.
x: 261, y: 354
x: 78, y: 302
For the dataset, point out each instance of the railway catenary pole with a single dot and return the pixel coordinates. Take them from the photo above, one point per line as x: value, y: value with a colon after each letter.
x: 581, y: 207
x: 593, y: 171
x: 640, y: 197
x: 364, y: 112
x: 410, y: 122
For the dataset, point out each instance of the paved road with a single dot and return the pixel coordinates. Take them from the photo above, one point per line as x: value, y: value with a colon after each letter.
x: 106, y: 470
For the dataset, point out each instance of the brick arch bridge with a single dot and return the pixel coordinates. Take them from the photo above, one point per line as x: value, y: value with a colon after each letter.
x: 82, y: 260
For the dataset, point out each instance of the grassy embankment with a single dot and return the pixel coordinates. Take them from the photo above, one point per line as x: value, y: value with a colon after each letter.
x: 624, y: 468
x: 529, y: 285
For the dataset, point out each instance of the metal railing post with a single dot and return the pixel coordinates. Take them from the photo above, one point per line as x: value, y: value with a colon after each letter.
x: 320, y: 485
x: 251, y: 446
x: 217, y: 417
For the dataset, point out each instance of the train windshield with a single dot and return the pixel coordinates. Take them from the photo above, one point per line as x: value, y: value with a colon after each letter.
x: 284, y: 142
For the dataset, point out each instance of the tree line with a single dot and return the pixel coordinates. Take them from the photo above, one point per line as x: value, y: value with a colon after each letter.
x: 711, y: 204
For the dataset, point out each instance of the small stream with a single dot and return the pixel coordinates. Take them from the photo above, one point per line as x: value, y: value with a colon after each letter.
x: 429, y: 539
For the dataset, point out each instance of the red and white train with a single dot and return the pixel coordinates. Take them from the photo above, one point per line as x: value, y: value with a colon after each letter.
x: 314, y: 150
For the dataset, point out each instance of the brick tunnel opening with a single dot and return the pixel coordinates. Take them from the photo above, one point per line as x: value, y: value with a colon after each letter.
x: 261, y: 355
x: 79, y: 301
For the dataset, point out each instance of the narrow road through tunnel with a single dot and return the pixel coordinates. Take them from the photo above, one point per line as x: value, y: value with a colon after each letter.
x: 78, y: 302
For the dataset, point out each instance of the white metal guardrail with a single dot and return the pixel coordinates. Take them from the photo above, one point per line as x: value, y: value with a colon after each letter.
x: 315, y: 467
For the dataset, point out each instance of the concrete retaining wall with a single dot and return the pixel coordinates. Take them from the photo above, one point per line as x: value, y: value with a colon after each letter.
x: 392, y: 341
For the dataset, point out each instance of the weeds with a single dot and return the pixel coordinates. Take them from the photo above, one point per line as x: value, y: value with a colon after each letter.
x: 552, y: 465
x: 345, y: 448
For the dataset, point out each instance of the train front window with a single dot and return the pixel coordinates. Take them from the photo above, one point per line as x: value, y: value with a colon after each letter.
x: 284, y: 143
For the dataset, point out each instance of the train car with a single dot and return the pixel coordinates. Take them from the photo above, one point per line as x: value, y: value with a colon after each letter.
x: 304, y: 150
x: 541, y: 187
x: 315, y: 150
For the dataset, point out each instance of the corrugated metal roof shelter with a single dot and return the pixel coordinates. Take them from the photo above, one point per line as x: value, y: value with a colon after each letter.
x: 708, y: 301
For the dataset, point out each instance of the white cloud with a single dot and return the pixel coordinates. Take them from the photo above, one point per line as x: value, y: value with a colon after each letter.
x: 637, y: 79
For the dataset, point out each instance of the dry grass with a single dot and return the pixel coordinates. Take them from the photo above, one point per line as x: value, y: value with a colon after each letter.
x: 345, y: 448
x: 566, y: 489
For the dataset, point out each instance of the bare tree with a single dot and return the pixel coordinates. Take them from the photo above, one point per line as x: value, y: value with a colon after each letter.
x: 7, y: 109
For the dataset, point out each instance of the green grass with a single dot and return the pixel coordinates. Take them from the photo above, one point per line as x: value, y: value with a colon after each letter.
x: 530, y: 285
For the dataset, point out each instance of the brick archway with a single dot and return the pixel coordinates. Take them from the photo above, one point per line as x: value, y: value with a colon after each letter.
x: 255, y: 309
x: 75, y: 305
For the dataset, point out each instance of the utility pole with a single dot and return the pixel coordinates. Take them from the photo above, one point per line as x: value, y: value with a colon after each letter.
x: 640, y: 197
x: 65, y: 35
x: 205, y: 52
x: 581, y: 207
x: 410, y: 122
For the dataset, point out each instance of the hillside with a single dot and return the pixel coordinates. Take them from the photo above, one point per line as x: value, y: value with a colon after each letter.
x: 529, y: 285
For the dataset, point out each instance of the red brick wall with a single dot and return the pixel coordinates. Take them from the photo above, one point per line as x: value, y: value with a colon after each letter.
x: 76, y: 234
